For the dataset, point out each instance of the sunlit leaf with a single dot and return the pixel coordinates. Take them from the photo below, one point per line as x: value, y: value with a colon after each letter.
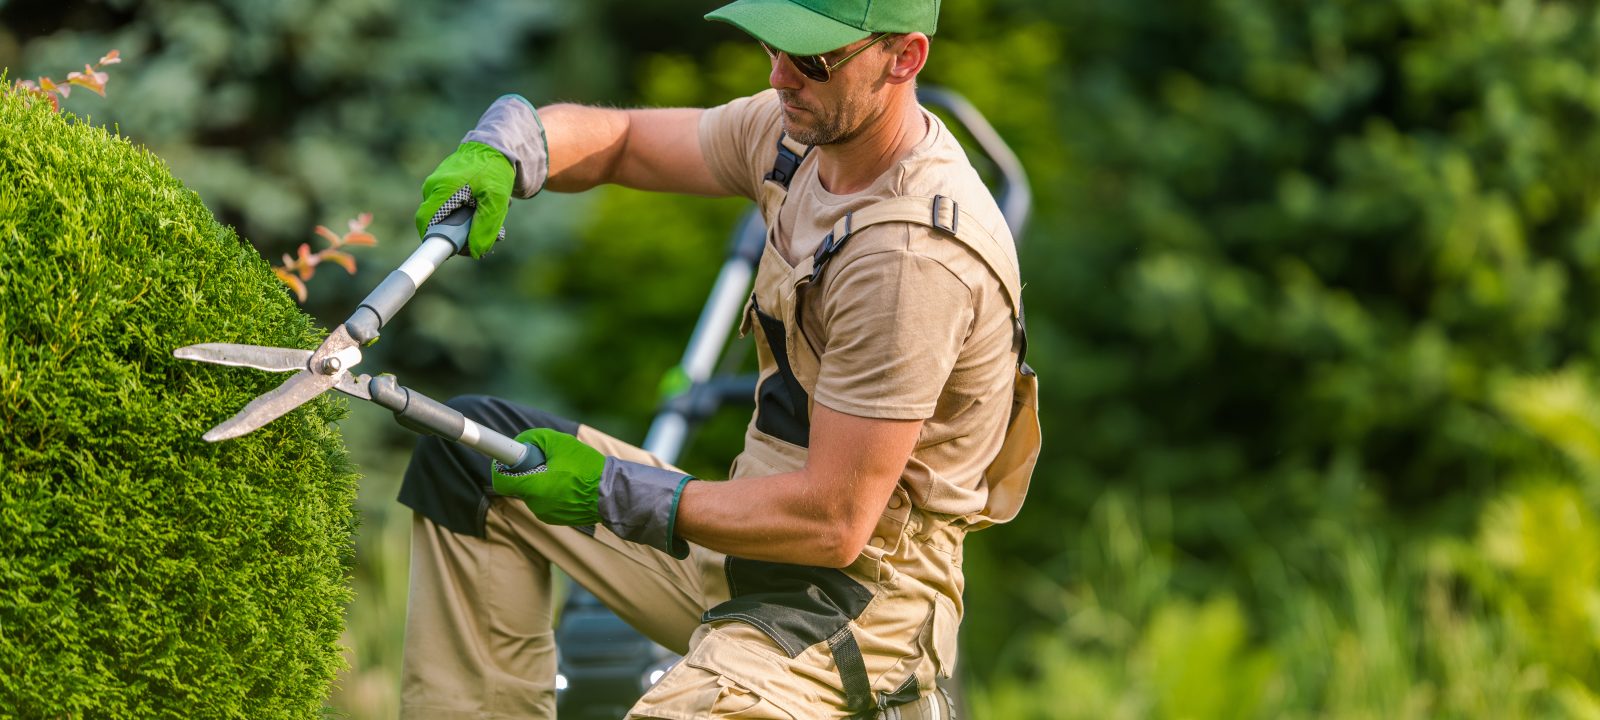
x: 306, y: 263
x: 361, y: 222
x: 340, y: 258
x: 111, y: 58
x: 47, y: 85
x: 94, y: 81
x: 329, y: 235
x: 293, y: 282
x: 360, y: 238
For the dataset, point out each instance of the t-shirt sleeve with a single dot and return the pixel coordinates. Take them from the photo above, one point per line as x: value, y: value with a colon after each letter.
x: 896, y: 322
x: 739, y: 141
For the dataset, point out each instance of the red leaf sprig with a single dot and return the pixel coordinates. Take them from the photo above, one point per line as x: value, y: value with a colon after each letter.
x: 91, y: 78
x: 299, y: 268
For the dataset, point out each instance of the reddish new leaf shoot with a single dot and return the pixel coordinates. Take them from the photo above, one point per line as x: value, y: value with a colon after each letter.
x: 293, y: 282
x: 298, y: 268
x: 91, y: 78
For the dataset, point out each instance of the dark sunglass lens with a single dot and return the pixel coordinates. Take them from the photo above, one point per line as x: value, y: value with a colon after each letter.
x: 812, y: 66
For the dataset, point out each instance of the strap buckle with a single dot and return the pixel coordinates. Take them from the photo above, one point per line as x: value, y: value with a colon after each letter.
x: 955, y: 213
x: 786, y: 164
x: 830, y: 244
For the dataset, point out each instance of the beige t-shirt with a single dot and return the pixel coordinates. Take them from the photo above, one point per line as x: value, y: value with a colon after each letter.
x: 908, y: 323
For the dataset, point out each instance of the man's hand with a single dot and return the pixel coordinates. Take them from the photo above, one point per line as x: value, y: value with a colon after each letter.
x: 489, y: 174
x: 580, y: 486
x: 505, y: 155
x: 567, y: 491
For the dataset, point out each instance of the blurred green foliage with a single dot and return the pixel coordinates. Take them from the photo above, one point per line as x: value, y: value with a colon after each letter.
x: 1310, y: 298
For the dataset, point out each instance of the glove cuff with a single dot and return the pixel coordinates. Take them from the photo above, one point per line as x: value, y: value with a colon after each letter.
x: 512, y: 126
x: 640, y: 504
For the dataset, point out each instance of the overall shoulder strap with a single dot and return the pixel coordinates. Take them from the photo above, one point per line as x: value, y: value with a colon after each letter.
x: 945, y: 215
x: 784, y: 166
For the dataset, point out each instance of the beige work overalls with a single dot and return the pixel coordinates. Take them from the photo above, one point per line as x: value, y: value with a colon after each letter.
x: 778, y: 641
x: 877, y: 633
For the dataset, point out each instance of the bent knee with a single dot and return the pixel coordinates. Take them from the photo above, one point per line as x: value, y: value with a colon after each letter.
x: 506, y: 417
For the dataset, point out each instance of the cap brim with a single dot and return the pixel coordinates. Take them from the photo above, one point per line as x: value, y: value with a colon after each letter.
x: 787, y: 26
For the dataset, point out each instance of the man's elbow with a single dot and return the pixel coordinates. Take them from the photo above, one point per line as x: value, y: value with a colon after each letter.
x: 836, y: 551
x: 842, y: 542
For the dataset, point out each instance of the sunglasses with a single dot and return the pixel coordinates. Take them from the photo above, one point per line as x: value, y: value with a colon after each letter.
x: 817, y: 67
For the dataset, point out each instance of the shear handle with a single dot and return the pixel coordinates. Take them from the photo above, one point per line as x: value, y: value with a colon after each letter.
x: 420, y: 413
x: 441, y: 240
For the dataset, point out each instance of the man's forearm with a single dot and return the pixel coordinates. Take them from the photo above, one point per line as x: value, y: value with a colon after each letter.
x: 585, y: 145
x: 819, y: 515
x: 779, y: 518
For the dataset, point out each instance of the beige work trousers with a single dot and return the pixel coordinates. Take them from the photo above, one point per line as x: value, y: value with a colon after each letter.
x: 479, y: 642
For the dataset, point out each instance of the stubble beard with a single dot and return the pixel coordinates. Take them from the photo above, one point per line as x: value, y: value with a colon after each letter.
x: 826, y: 127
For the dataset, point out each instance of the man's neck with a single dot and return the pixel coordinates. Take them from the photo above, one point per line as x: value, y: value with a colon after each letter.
x: 853, y: 165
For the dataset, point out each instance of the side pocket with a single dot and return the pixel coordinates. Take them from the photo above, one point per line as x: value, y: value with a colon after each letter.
x: 699, y: 689
x: 946, y: 622
x: 737, y: 702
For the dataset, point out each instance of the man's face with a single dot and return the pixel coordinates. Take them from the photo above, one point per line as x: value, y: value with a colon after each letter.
x: 833, y: 112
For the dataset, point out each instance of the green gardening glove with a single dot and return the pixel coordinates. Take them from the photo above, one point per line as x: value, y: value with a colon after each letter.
x: 504, y: 156
x: 567, y: 491
x: 489, y: 174
x: 578, y: 485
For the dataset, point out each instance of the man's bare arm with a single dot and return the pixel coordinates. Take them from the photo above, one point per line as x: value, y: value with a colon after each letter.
x: 821, y: 515
x: 656, y: 149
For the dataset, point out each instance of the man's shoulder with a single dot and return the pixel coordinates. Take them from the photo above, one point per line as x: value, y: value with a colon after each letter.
x: 757, y: 114
x: 738, y: 137
x: 940, y: 166
x: 911, y: 251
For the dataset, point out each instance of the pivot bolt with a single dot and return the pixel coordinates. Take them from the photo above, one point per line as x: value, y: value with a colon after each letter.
x: 331, y: 366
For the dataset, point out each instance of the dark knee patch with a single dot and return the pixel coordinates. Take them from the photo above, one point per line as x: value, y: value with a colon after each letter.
x: 507, y: 417
x: 449, y: 483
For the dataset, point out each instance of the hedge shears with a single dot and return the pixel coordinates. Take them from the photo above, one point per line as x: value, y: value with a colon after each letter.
x: 329, y: 366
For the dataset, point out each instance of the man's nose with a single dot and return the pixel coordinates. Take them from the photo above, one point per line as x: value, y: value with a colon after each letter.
x: 784, y: 75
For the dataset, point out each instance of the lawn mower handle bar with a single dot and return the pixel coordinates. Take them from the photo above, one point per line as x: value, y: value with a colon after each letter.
x: 1012, y: 193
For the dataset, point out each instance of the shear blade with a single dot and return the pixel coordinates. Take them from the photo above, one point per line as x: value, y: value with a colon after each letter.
x: 271, y: 359
x: 293, y: 393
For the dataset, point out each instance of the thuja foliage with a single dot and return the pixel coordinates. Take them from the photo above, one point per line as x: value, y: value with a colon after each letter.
x: 144, y: 572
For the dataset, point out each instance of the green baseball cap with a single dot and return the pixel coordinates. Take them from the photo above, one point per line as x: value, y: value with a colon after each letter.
x: 813, y: 27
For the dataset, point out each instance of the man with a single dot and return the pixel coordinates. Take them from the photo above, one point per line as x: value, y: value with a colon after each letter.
x: 894, y: 413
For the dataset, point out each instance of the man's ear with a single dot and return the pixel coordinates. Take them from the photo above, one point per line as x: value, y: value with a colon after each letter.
x: 910, y: 54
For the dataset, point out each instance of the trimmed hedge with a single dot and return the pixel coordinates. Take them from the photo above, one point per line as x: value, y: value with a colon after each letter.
x: 143, y: 571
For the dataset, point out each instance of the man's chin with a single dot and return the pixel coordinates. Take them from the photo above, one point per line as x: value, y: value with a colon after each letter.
x: 794, y: 129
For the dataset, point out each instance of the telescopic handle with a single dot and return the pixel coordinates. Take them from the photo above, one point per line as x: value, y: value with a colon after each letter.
x: 420, y: 413
x: 441, y: 240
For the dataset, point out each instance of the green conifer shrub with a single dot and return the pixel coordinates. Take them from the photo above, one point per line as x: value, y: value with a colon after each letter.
x: 144, y: 572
